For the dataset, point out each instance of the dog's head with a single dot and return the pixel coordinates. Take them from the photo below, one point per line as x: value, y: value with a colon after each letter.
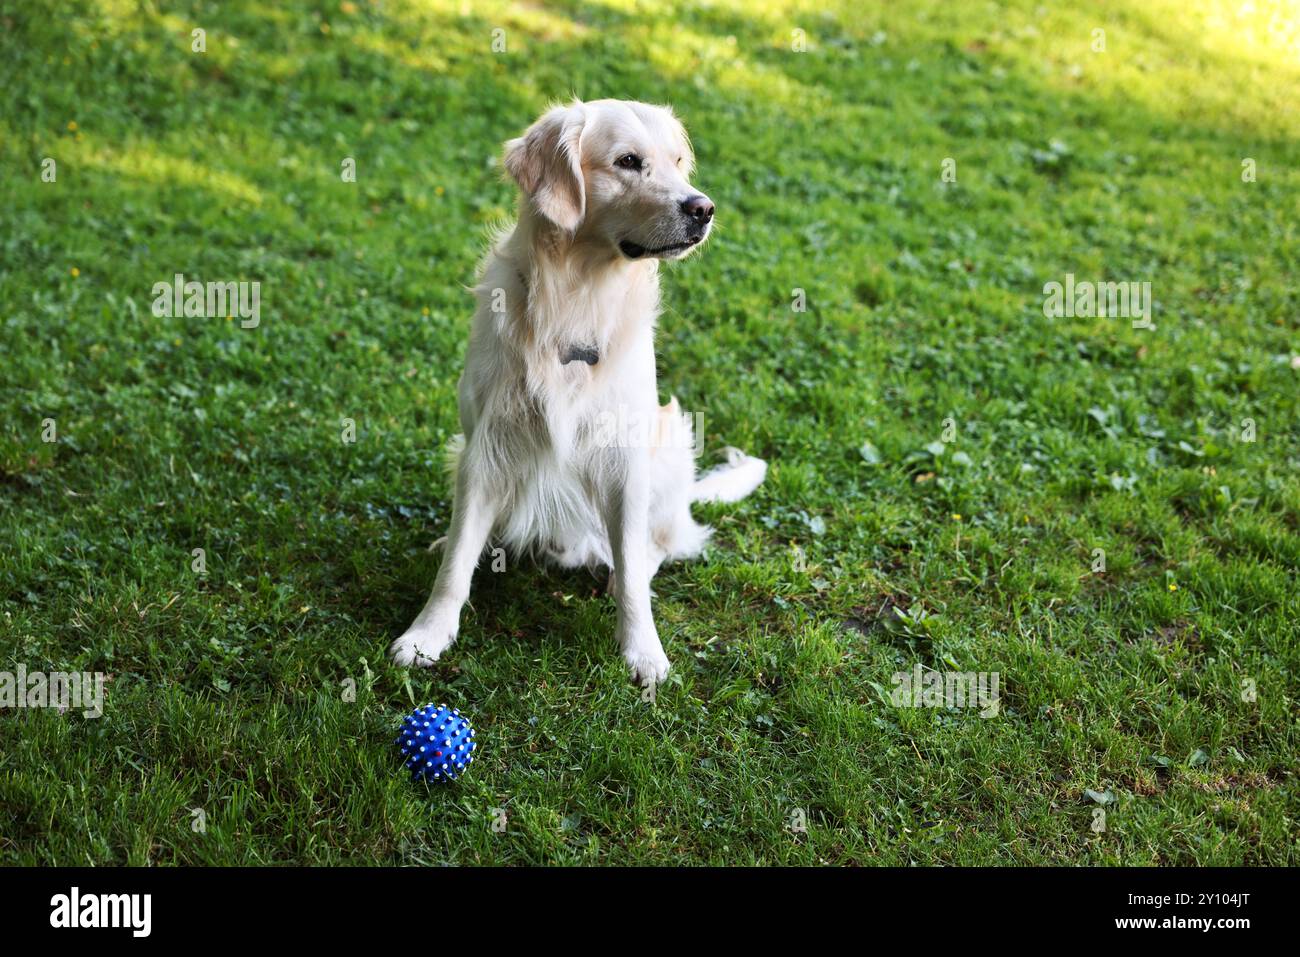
x: 614, y: 172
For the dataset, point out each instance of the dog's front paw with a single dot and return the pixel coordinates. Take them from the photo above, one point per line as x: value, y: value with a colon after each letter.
x: 421, y: 645
x: 649, y: 665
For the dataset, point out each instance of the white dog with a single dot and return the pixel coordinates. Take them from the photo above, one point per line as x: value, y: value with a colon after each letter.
x: 565, y: 450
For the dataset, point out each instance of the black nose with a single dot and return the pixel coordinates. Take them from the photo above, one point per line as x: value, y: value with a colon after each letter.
x: 699, y: 207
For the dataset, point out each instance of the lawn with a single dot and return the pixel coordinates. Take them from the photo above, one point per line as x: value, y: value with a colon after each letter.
x: 1105, y: 515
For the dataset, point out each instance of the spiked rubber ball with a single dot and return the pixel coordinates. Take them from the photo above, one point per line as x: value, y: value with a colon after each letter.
x: 437, y: 744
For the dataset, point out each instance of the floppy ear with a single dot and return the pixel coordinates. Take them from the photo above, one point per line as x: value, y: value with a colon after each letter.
x: 546, y: 162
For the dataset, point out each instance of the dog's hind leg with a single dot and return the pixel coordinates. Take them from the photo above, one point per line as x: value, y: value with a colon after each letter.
x: 674, y: 534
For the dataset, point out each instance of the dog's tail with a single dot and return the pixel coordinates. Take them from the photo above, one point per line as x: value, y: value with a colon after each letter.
x: 731, y: 482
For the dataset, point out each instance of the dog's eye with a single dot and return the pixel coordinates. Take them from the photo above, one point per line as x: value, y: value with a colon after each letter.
x: 628, y: 161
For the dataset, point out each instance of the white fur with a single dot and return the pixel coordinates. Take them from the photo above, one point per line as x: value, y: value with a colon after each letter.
x: 578, y: 462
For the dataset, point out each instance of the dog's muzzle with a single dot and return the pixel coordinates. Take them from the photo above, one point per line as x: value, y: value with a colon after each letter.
x: 635, y: 250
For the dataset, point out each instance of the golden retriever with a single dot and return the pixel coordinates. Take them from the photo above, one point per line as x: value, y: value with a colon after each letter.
x: 565, y: 451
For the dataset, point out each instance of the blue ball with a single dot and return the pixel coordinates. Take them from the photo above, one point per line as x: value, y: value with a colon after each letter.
x: 436, y: 744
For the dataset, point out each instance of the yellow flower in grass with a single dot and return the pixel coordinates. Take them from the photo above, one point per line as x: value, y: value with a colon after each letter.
x: 1173, y: 586
x: 75, y: 272
x: 72, y: 126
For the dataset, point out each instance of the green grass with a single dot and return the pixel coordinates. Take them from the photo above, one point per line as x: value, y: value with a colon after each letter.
x: 924, y: 305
